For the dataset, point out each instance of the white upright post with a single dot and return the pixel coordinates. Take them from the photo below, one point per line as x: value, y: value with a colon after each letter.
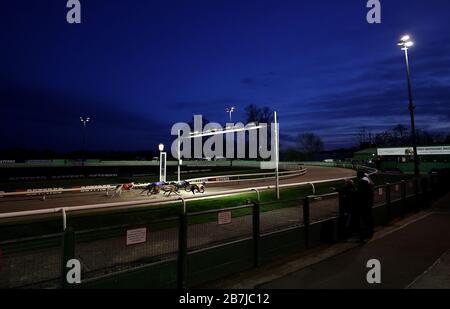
x: 277, y: 156
x: 162, y: 166
x: 179, y: 155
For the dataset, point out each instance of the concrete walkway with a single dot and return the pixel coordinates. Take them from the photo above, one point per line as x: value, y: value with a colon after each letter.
x: 414, y: 252
x: 436, y: 277
x: 415, y: 255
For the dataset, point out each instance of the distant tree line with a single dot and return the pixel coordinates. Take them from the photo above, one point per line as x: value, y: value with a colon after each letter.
x: 307, y: 145
x: 33, y: 154
x: 399, y: 136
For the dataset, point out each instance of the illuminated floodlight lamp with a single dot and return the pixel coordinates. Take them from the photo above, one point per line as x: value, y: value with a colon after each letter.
x: 161, y: 147
x: 230, y: 110
x: 405, y: 42
x: 85, y: 120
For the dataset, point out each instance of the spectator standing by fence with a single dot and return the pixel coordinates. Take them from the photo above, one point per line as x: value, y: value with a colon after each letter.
x: 363, y: 209
x: 347, y: 202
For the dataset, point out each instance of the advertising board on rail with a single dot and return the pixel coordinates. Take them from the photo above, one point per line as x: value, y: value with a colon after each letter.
x: 408, y: 151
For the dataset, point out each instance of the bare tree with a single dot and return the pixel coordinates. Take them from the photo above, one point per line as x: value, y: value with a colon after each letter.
x: 400, y: 130
x: 257, y: 114
x: 251, y: 113
x: 309, y: 144
x: 265, y: 115
x: 399, y: 136
x: 366, y: 138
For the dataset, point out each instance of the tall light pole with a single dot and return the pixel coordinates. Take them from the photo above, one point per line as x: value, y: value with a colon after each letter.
x: 230, y: 110
x: 405, y: 43
x: 84, y: 121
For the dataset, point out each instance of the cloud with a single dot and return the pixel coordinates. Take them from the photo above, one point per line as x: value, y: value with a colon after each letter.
x: 338, y: 118
x: 247, y: 81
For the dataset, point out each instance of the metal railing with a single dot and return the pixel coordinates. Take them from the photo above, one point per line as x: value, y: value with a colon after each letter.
x: 247, y: 177
x: 38, y: 261
x: 294, y: 170
x: 43, y: 192
x: 146, y: 203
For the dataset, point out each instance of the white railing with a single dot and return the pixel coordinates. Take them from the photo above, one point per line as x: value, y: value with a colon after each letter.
x: 242, y: 177
x: 147, y: 203
x: 95, y: 188
x: 141, y: 204
x: 52, y: 191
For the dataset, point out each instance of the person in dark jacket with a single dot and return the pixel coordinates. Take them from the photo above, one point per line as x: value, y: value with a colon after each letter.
x: 364, y: 197
x: 347, y: 202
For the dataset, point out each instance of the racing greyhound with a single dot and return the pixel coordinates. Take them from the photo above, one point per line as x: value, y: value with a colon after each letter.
x: 123, y: 187
x: 154, y: 188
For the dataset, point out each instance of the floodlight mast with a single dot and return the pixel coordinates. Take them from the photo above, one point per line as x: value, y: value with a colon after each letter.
x: 84, y: 120
x: 405, y: 43
x: 230, y: 110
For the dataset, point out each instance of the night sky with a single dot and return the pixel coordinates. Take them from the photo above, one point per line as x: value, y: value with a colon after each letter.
x: 137, y: 67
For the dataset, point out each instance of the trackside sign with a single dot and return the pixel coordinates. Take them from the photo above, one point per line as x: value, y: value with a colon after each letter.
x: 136, y: 236
x: 408, y: 151
x: 224, y: 217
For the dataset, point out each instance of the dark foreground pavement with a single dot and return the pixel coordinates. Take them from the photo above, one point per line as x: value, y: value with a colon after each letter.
x: 415, y: 255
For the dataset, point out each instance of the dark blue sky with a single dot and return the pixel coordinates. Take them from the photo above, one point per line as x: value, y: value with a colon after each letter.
x: 137, y: 67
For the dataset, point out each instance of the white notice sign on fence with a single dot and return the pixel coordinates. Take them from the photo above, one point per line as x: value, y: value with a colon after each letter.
x: 136, y: 236
x: 224, y: 217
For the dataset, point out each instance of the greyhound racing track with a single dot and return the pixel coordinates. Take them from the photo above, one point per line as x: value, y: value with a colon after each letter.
x: 24, y: 203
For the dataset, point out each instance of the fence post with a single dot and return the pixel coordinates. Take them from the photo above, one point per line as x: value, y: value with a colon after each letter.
x: 182, y: 248
x: 68, y: 253
x: 416, y: 186
x: 257, y: 194
x: 64, y: 218
x: 388, y: 199
x: 403, y: 196
x: 432, y: 186
x: 342, y: 219
x: 313, y: 188
x: 256, y: 234
x: 306, y: 220
x: 416, y: 194
x: 422, y: 193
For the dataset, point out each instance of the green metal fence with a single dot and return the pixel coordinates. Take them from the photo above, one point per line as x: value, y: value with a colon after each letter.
x: 109, y: 250
x: 193, y: 248
x: 31, y: 262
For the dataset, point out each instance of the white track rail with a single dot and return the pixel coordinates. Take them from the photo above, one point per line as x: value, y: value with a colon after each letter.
x: 146, y: 203
x: 94, y: 188
x: 238, y: 178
